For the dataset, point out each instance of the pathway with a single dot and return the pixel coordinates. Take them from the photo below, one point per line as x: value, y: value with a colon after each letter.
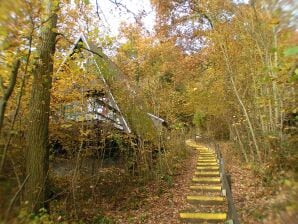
x: 208, y: 199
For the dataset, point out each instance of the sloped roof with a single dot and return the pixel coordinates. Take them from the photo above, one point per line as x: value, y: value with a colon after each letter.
x: 157, y: 121
x: 93, y: 49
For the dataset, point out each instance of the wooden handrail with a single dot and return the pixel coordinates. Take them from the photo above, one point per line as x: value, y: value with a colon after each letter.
x: 227, y: 188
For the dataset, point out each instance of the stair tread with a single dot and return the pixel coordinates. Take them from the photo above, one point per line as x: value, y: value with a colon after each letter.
x: 207, y: 164
x: 207, y: 168
x: 202, y: 172
x: 205, y: 198
x: 206, y: 187
x: 216, y: 165
x: 207, y: 173
x: 204, y: 216
x: 208, y: 179
x: 207, y: 160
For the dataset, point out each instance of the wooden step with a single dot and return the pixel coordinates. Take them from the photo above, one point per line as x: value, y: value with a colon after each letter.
x: 210, y: 200
x: 202, y: 217
x: 206, y: 179
x: 192, y: 143
x: 207, y: 154
x: 202, y: 165
x: 207, y: 164
x: 207, y: 160
x: 207, y: 157
x: 206, y: 187
x: 207, y: 173
x: 207, y: 168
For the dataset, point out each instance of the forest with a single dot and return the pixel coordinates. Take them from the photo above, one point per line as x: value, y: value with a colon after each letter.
x: 190, y: 119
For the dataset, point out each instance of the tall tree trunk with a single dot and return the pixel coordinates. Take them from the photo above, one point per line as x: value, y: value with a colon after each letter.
x: 275, y: 89
x: 251, y: 129
x: 37, y: 155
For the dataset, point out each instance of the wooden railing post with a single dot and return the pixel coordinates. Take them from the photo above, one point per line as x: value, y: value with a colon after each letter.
x: 227, y: 188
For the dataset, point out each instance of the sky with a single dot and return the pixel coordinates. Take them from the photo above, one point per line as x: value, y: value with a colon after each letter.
x: 112, y: 16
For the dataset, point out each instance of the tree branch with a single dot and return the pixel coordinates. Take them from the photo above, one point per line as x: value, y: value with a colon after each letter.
x: 7, y: 93
x: 14, y: 198
x: 137, y: 17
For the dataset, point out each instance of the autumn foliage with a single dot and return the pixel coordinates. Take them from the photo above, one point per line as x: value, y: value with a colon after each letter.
x: 222, y: 70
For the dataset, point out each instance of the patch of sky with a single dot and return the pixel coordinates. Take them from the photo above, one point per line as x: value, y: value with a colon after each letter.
x: 113, y: 15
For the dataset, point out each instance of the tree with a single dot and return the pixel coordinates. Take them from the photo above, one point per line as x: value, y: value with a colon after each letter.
x: 245, y: 79
x: 37, y: 154
x: 8, y: 91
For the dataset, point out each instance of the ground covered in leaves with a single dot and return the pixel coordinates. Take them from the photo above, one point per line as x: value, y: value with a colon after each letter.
x: 113, y: 196
x: 108, y: 195
x: 161, y: 203
x: 257, y: 201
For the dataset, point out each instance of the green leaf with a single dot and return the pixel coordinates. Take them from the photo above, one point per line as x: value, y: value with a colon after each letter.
x: 294, y: 77
x: 291, y: 51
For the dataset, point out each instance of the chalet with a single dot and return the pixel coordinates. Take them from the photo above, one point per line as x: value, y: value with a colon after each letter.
x: 90, y: 98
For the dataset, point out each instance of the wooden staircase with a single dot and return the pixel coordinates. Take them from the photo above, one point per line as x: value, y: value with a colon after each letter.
x: 208, y: 196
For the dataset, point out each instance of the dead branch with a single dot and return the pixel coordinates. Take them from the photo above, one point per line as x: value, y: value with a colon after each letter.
x: 12, y: 201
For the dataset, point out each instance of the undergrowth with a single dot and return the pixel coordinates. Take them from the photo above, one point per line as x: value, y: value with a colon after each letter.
x: 83, y: 192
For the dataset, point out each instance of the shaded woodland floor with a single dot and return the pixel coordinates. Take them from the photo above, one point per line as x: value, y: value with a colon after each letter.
x: 109, y: 195
x: 256, y: 201
x: 119, y: 200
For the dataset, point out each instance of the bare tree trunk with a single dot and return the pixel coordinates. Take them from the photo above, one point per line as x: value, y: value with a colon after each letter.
x: 7, y: 92
x: 241, y: 103
x: 271, y: 122
x: 38, y: 153
x: 247, y: 118
x: 18, y: 104
x: 241, y: 144
x: 277, y: 100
